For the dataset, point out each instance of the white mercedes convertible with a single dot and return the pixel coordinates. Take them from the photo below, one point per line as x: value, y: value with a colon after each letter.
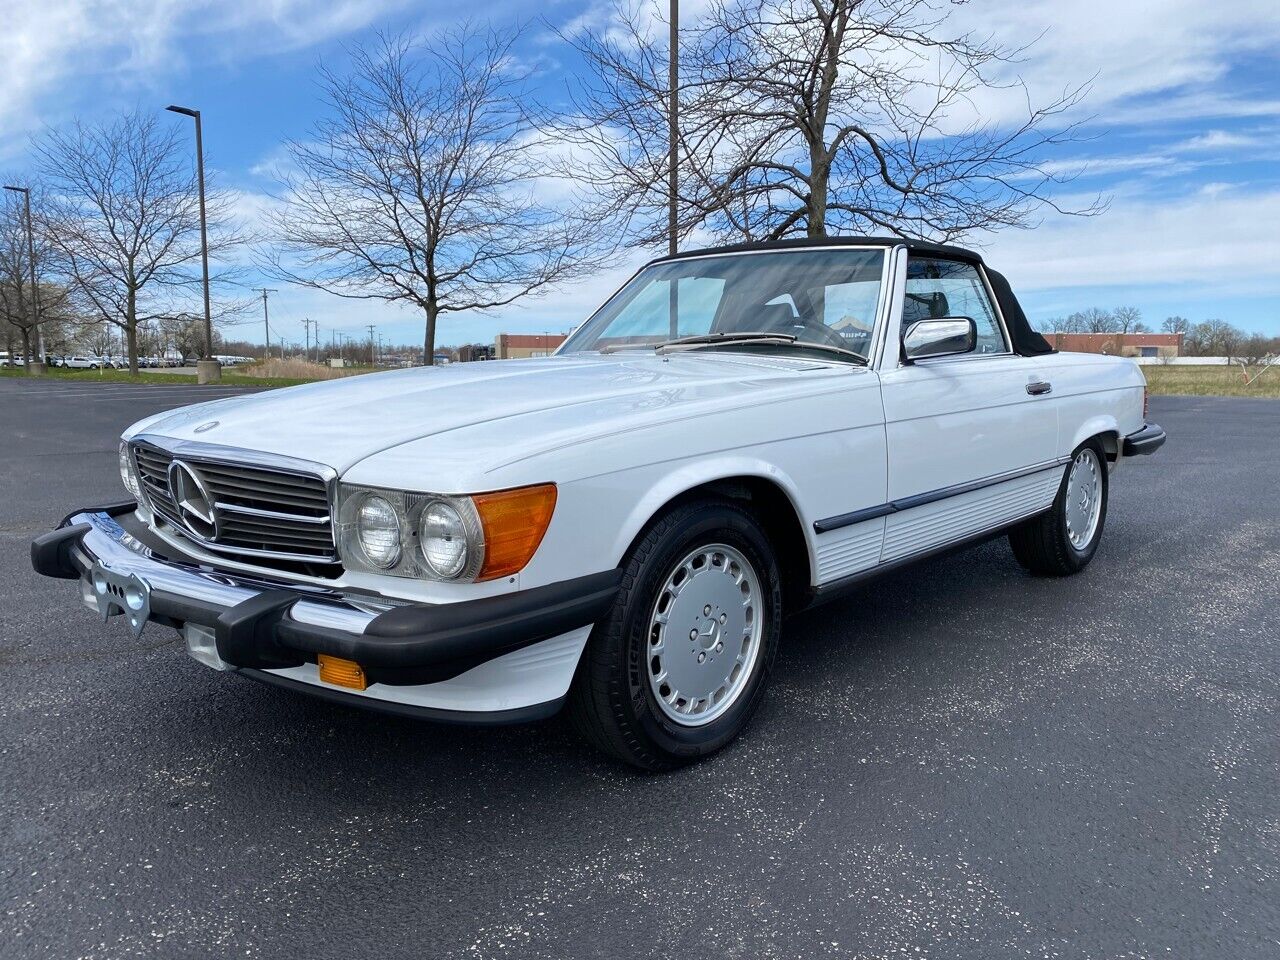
x: 619, y: 528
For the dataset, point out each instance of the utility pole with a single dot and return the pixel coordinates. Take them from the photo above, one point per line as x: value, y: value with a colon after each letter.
x: 266, y: 324
x: 210, y: 374
x: 372, y: 359
x: 306, y: 333
x: 35, y: 365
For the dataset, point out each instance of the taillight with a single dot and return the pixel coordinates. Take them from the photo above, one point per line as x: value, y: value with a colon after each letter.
x: 1145, y: 395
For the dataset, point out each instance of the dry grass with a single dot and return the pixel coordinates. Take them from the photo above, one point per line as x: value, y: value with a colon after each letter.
x: 1212, y: 381
x: 294, y: 370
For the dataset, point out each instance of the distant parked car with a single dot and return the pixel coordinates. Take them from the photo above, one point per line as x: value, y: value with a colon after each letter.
x: 82, y: 363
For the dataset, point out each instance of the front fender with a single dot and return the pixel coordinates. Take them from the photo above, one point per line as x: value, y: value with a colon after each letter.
x: 687, y: 476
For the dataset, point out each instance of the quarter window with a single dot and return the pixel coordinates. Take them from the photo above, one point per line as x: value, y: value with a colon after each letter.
x: 949, y: 288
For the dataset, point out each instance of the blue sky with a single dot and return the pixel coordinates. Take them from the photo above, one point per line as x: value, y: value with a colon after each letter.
x: 1186, y: 97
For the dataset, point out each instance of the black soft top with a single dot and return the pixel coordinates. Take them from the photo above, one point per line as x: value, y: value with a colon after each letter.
x: 1026, y: 341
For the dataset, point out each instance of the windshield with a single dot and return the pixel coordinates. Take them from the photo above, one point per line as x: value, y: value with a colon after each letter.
x: 820, y: 297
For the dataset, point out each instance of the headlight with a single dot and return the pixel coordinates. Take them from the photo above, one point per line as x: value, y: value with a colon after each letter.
x: 442, y: 537
x: 127, y: 476
x: 378, y: 530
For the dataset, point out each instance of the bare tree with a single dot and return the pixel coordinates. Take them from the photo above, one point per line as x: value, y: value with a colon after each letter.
x: 127, y: 219
x: 1126, y: 319
x: 813, y: 117
x: 423, y: 188
x: 23, y: 308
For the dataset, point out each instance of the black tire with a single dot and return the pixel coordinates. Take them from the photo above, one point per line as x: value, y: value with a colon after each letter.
x: 611, y: 703
x: 1043, y: 546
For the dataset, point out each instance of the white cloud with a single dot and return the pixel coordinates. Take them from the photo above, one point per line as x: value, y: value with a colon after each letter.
x: 1220, y: 140
x: 1135, y: 49
x: 48, y: 46
x: 1219, y: 237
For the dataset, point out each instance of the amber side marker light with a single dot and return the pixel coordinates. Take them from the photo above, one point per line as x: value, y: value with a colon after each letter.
x: 341, y: 673
x: 514, y: 523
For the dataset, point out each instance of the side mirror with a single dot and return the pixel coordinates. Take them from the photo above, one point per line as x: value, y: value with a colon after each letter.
x: 943, y: 337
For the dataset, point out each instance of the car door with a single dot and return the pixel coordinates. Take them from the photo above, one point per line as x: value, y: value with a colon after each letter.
x: 971, y: 438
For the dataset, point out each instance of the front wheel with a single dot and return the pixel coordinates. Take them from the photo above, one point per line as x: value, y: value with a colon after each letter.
x: 1064, y: 539
x: 678, y: 666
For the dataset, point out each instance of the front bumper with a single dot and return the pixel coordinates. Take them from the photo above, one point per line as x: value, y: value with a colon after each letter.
x: 261, y: 624
x: 1145, y: 441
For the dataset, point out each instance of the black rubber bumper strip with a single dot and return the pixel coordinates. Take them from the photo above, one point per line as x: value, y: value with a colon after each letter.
x: 1147, y: 440
x: 51, y: 552
x: 417, y: 643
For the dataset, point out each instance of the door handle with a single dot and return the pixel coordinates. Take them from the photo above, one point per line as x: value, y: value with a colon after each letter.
x: 1039, y: 387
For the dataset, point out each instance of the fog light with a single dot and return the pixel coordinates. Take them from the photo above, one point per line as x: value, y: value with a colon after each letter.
x: 202, y: 646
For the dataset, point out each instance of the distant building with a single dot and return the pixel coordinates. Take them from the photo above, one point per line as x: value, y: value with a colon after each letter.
x: 519, y: 346
x: 470, y: 352
x: 1119, y: 344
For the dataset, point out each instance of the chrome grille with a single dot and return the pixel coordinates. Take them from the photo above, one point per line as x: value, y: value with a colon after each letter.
x: 262, y: 512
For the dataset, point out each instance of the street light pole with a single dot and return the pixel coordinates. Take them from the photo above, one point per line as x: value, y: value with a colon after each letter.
x: 673, y: 159
x: 673, y: 125
x: 207, y: 369
x: 36, y: 366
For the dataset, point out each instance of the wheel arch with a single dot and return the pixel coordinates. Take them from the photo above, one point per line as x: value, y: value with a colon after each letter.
x: 1105, y: 429
x: 768, y: 493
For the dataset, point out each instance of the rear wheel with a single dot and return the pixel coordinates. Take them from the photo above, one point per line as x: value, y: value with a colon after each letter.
x: 1063, y: 540
x: 676, y: 669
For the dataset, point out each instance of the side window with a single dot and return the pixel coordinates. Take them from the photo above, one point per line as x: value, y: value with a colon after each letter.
x: 648, y: 315
x: 948, y: 288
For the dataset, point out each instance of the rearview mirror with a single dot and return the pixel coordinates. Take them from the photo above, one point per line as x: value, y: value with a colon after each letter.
x: 943, y: 337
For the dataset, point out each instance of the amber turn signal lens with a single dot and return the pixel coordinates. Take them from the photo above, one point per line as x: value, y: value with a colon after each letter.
x: 341, y: 673
x: 514, y: 522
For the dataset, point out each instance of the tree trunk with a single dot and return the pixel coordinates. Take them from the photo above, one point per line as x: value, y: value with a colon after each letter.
x: 131, y: 331
x: 429, y: 341
x: 132, y: 334
x: 819, y: 179
x: 26, y: 344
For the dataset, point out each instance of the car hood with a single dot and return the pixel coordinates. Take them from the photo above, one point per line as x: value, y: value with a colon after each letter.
x: 341, y: 422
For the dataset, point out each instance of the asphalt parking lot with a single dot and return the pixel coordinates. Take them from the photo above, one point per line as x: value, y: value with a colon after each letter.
x: 958, y: 762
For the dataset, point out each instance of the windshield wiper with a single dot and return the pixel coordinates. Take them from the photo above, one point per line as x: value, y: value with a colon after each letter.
x: 706, y: 339
x: 701, y: 339
x: 785, y: 339
x: 726, y: 339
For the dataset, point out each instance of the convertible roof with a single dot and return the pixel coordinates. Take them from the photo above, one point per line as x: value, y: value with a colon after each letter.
x: 799, y: 243
x: 1026, y: 341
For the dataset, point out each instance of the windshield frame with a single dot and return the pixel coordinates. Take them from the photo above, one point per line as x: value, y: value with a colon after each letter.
x: 885, y: 289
